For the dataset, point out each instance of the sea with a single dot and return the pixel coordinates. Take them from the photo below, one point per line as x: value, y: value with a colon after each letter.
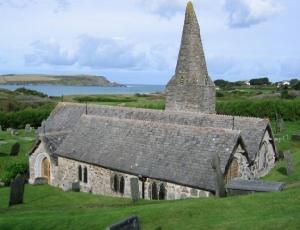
x: 59, y: 90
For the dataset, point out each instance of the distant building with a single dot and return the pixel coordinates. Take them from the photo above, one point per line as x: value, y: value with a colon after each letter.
x: 98, y: 149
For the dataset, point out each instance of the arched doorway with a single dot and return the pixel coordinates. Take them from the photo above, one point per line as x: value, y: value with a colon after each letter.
x: 46, y: 169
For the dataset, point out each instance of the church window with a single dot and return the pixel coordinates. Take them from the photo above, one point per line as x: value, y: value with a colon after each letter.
x: 85, y: 175
x: 154, y: 193
x: 122, y: 185
x: 233, y: 170
x: 79, y: 173
x: 162, y: 192
x: 116, y: 183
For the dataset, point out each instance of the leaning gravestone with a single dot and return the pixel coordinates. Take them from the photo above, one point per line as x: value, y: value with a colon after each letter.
x: 219, y: 179
x: 17, y: 190
x: 134, y: 187
x: 131, y: 223
x: 15, y: 149
x: 289, y: 163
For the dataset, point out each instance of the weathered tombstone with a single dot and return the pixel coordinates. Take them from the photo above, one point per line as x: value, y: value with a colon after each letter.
x: 281, y: 125
x: 27, y: 128
x: 17, y: 190
x: 219, y: 179
x: 40, y: 181
x: 131, y: 223
x: 289, y: 163
x: 296, y: 137
x: 134, y: 187
x: 15, y: 149
x: 0, y: 128
x: 13, y: 132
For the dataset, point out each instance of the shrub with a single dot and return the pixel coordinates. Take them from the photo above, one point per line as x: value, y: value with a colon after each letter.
x: 12, y: 171
x: 25, y: 91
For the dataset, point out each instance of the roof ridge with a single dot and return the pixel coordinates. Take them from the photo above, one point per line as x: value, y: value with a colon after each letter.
x: 160, y: 124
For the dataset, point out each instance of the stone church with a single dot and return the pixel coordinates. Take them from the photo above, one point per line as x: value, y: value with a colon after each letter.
x: 170, y: 152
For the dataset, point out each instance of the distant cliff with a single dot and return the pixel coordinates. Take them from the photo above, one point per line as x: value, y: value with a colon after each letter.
x: 68, y: 80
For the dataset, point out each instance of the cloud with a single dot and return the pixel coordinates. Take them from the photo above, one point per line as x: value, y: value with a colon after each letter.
x: 18, y: 4
x: 99, y: 53
x: 164, y: 8
x: 49, y: 52
x: 246, y: 13
x: 62, y: 5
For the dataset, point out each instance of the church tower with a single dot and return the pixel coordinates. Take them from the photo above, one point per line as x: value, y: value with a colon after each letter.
x: 191, y: 89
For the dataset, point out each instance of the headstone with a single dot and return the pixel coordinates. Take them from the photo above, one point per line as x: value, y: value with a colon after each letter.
x: 13, y: 132
x: 17, y: 190
x: 27, y: 128
x: 131, y: 223
x: 296, y: 137
x: 134, y: 187
x: 219, y: 179
x: 281, y: 125
x: 67, y: 187
x: 40, y: 181
x: 15, y: 149
x: 289, y: 163
x: 8, y: 129
x: 0, y: 128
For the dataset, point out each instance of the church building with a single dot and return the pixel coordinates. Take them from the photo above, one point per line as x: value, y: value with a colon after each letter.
x: 101, y: 148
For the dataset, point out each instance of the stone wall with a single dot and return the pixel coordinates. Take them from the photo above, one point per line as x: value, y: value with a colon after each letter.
x: 35, y: 161
x: 191, y: 98
x: 100, y: 181
x: 265, y: 158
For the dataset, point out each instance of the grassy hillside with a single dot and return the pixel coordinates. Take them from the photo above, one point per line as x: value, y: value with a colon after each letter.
x: 72, y: 80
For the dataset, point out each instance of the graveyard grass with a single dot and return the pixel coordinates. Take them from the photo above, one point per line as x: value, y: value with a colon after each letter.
x: 46, y: 207
x: 26, y: 141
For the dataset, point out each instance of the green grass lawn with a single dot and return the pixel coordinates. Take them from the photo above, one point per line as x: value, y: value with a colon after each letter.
x: 46, y: 207
x: 26, y: 141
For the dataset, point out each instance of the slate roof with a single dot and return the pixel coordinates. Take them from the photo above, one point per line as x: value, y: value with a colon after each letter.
x: 66, y: 116
x: 255, y: 185
x: 169, y: 152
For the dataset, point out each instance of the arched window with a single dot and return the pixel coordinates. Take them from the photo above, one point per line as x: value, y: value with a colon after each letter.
x: 79, y: 173
x: 233, y: 170
x: 162, y: 192
x: 116, y: 183
x: 122, y: 185
x: 85, y: 176
x: 154, y: 194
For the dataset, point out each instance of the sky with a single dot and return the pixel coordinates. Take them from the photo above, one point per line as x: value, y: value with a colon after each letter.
x: 137, y: 41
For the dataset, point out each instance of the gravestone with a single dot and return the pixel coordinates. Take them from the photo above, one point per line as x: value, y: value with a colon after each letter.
x: 281, y: 125
x: 17, y: 190
x: 15, y: 149
x: 219, y: 179
x: 27, y: 128
x: 296, y: 137
x: 134, y: 187
x: 13, y: 132
x: 40, y: 181
x: 131, y: 223
x: 0, y: 128
x: 76, y: 187
x: 289, y: 163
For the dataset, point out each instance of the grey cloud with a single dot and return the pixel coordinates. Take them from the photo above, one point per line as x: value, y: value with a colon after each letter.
x: 246, y: 13
x: 98, y: 53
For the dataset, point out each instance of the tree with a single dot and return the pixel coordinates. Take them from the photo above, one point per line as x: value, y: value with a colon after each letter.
x: 260, y: 81
x: 297, y: 86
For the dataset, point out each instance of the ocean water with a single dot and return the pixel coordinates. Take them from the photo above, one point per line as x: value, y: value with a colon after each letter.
x: 58, y: 90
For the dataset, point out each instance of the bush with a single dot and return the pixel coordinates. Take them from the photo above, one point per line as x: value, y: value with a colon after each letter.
x: 104, y: 99
x: 30, y: 92
x: 288, y: 109
x: 12, y: 171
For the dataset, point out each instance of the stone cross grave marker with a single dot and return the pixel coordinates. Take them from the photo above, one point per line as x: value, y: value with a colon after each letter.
x: 219, y: 179
x: 131, y: 223
x: 134, y: 187
x: 17, y: 190
x: 289, y: 163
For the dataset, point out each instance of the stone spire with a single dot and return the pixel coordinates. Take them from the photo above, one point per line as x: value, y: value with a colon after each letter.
x: 191, y: 89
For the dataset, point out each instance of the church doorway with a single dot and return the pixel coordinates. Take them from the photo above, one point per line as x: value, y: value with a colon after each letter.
x: 46, y: 169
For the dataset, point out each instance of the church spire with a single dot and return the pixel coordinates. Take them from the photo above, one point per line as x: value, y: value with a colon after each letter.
x: 191, y: 89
